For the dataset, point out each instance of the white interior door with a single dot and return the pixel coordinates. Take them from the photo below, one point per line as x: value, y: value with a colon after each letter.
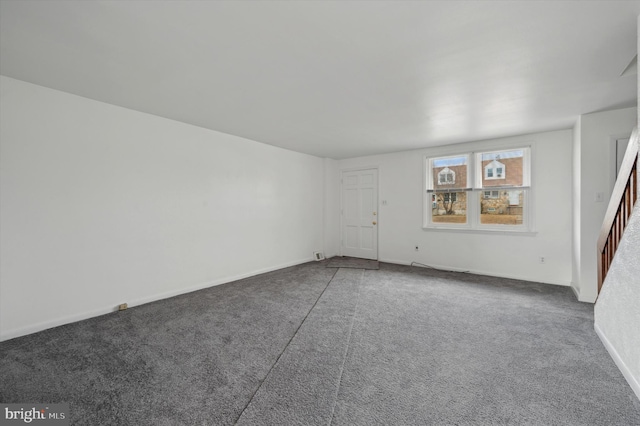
x: 360, y: 214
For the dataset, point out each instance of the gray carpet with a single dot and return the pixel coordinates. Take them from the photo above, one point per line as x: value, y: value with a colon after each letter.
x: 314, y: 345
x: 351, y: 262
x: 302, y: 387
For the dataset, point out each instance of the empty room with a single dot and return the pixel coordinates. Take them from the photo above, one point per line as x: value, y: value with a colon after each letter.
x: 319, y: 213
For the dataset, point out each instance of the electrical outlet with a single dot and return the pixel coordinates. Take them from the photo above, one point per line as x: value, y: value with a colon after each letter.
x: 123, y: 307
x: 542, y: 259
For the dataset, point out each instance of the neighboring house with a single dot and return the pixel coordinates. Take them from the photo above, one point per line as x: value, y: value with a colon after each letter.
x: 496, y: 173
x: 449, y: 203
x: 449, y: 178
x: 501, y: 172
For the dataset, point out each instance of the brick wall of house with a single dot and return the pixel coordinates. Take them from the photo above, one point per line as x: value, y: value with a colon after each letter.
x: 513, y: 172
x: 460, y: 178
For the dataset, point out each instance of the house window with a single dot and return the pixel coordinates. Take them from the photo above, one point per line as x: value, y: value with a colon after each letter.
x: 446, y: 176
x: 495, y: 169
x: 450, y: 197
x: 490, y: 192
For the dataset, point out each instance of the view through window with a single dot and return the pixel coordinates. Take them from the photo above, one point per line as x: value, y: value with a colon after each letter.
x: 503, y: 170
x: 496, y: 196
x: 449, y: 199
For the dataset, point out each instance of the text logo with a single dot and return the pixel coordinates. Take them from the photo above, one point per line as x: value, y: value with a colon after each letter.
x: 36, y: 414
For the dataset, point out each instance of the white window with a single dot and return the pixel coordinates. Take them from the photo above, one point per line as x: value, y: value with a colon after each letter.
x: 446, y: 176
x: 449, y: 197
x: 446, y: 182
x: 496, y: 198
x: 495, y: 170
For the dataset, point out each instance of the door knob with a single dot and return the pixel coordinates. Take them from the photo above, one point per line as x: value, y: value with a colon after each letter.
x: 374, y: 222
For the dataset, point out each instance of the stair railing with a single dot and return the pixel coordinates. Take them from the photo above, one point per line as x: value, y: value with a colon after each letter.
x: 623, y: 199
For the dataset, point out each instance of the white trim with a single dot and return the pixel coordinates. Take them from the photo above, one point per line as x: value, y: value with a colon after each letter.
x: 613, y: 141
x: 34, y: 328
x: 484, y: 230
x: 576, y: 291
x: 428, y: 167
x: 635, y: 386
x: 429, y: 189
x: 526, y: 164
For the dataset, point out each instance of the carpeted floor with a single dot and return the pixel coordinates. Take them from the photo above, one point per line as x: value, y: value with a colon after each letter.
x: 315, y: 345
x: 352, y: 262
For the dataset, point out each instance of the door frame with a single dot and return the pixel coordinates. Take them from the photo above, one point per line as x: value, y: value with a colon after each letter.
x: 613, y: 145
x: 358, y: 169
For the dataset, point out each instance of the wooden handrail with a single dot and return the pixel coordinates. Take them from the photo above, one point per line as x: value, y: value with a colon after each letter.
x: 623, y: 199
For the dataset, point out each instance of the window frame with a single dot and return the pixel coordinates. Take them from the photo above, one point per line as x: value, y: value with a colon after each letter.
x: 431, y: 190
x: 475, y: 191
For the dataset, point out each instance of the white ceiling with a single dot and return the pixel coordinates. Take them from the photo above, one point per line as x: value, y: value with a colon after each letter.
x: 334, y: 79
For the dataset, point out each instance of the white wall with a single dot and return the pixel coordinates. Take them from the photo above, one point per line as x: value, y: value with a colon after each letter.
x: 331, y: 208
x: 517, y: 256
x: 617, y: 312
x: 102, y: 205
x: 575, y: 206
x: 597, y: 132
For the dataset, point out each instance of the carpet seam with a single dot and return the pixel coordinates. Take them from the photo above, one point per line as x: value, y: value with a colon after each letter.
x: 285, y: 348
x: 346, y: 351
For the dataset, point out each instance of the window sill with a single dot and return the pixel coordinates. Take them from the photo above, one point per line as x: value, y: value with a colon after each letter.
x: 486, y: 231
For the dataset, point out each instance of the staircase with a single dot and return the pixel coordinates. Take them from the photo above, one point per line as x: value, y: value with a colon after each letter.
x: 623, y: 199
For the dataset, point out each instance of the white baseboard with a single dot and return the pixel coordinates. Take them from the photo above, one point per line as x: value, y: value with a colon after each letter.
x: 479, y: 272
x: 576, y: 292
x: 633, y: 382
x: 34, y: 328
x: 177, y: 292
x: 44, y: 325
